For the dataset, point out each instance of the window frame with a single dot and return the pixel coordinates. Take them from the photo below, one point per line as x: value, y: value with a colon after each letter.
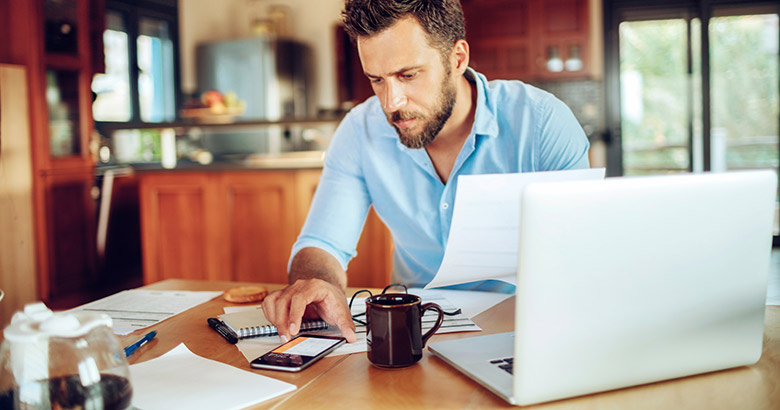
x: 131, y: 13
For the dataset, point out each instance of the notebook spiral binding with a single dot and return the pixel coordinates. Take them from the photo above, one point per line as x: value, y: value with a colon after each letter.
x: 269, y: 330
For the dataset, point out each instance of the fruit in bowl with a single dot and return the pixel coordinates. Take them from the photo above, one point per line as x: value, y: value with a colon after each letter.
x: 211, y: 98
x: 214, y: 106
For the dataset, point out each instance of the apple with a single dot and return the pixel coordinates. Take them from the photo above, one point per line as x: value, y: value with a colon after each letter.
x: 212, y: 97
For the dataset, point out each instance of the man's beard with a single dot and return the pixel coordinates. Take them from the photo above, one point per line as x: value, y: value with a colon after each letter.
x: 431, y: 126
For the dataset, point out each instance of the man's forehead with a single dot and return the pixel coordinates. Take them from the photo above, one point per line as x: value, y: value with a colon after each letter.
x: 400, y: 47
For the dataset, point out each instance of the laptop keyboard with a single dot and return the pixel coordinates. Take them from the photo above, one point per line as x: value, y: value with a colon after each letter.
x: 505, y: 364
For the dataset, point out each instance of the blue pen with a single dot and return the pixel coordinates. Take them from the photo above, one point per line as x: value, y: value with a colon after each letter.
x: 133, y: 347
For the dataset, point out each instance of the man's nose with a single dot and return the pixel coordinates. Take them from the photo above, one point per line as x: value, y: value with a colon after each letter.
x: 394, y: 98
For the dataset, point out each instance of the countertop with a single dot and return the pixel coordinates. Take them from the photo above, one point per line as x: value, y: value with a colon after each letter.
x: 287, y: 160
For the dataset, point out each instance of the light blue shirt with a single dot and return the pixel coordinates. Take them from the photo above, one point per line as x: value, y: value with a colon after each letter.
x: 517, y: 128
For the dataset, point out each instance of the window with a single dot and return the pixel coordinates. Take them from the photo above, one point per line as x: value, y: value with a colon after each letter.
x: 653, y: 89
x: 693, y: 86
x: 155, y: 75
x: 140, y: 83
x: 744, y: 81
x: 112, y: 89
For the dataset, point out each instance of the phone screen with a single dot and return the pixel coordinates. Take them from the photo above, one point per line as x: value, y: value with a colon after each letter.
x: 298, y: 353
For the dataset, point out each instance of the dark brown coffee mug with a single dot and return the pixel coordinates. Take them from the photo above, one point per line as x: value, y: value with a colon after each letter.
x: 395, y: 336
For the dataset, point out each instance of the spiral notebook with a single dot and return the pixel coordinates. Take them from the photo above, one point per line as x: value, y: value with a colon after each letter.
x: 252, y: 323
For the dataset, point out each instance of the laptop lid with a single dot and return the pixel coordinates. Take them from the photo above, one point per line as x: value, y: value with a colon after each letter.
x: 633, y: 280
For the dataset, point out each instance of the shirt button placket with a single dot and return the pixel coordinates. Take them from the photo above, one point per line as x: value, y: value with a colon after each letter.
x: 444, y: 217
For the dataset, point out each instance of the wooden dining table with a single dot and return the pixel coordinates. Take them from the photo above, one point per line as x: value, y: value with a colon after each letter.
x: 351, y: 381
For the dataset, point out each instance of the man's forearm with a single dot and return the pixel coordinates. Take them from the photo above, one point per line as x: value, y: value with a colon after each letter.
x: 315, y: 263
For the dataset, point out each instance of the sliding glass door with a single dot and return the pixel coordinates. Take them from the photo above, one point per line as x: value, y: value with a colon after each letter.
x: 655, y: 96
x: 692, y: 86
x: 744, y: 92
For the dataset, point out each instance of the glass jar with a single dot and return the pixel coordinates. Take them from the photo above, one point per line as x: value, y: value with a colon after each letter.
x: 62, y: 360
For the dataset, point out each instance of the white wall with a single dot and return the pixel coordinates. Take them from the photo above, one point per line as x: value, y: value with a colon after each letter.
x: 310, y: 21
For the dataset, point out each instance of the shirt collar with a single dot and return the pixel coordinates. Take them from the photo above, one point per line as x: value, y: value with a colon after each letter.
x: 485, y: 119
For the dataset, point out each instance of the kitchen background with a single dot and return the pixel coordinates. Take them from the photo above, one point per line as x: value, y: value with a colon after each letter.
x: 169, y: 139
x: 209, y: 49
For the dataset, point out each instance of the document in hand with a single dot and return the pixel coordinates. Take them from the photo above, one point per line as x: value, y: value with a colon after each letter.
x: 485, y: 229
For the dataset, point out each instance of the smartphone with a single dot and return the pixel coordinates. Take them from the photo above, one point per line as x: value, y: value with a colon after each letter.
x: 298, y: 353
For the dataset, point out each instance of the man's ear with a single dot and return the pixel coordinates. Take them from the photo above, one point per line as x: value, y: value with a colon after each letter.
x: 460, y: 56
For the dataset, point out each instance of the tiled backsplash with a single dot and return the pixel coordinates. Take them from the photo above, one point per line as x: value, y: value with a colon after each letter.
x: 586, y: 100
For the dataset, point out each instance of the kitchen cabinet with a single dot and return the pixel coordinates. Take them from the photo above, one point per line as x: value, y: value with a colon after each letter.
x: 529, y: 39
x: 260, y: 221
x: 55, y: 41
x: 71, y: 227
x: 217, y: 225
x: 239, y: 225
x: 176, y: 241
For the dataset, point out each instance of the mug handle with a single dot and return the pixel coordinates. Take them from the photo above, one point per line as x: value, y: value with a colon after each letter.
x: 436, y: 325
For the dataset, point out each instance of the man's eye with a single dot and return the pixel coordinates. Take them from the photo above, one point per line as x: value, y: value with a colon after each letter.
x: 408, y: 76
x: 375, y: 80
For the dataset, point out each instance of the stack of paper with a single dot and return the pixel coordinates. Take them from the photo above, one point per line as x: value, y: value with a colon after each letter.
x: 138, y: 308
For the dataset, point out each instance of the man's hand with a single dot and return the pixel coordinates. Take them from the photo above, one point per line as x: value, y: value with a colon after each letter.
x: 309, y: 298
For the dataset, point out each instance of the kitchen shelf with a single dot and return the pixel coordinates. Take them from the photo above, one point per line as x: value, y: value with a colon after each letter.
x: 529, y: 40
x: 188, y: 123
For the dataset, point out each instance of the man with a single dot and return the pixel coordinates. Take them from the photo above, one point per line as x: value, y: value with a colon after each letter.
x: 401, y: 151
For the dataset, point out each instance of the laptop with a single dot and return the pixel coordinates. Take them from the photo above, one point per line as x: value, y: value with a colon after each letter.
x: 627, y: 281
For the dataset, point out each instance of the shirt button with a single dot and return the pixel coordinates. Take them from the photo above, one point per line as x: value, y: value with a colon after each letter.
x: 445, y: 205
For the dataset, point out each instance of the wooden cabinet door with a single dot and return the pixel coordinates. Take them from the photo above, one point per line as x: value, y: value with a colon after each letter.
x: 70, y: 232
x: 179, y: 239
x: 562, y: 28
x: 306, y: 181
x: 259, y: 214
x: 514, y: 39
x: 499, y: 33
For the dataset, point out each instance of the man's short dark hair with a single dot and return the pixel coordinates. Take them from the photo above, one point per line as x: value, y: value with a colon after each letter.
x: 442, y: 20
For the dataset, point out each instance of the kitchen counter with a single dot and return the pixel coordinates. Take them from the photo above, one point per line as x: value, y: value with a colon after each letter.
x: 239, y: 221
x: 287, y: 160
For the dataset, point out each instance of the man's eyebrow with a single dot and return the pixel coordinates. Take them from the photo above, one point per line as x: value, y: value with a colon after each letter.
x: 397, y: 72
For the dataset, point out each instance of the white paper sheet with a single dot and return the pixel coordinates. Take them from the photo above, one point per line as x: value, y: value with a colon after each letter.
x: 254, y: 347
x: 181, y: 379
x: 138, y: 308
x: 485, y: 228
x: 470, y: 302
